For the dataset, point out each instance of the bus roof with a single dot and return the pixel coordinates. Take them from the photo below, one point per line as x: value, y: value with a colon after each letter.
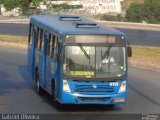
x: 72, y: 25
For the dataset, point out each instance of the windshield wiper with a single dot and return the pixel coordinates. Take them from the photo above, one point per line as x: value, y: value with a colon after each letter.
x: 107, y: 52
x: 84, y: 51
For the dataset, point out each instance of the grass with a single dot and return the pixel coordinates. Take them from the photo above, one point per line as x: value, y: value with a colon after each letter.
x: 14, y: 39
x: 146, y: 54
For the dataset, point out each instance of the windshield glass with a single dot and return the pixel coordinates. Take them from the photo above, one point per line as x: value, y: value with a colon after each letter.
x: 91, y: 61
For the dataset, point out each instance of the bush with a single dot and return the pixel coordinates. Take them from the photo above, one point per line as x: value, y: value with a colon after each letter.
x: 148, y: 12
x: 134, y: 13
x: 112, y: 18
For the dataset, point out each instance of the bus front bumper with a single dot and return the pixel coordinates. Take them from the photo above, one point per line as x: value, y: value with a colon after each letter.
x: 75, y: 98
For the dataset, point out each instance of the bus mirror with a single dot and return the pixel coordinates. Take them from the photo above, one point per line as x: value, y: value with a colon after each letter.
x: 129, y: 50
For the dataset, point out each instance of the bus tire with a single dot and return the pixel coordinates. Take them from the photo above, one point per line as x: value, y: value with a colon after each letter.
x: 39, y: 90
x: 56, y: 104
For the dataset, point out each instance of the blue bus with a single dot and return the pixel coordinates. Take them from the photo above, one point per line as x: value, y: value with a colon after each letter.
x: 78, y: 61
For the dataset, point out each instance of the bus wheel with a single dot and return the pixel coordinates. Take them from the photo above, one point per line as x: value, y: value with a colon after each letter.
x: 56, y: 104
x: 38, y: 88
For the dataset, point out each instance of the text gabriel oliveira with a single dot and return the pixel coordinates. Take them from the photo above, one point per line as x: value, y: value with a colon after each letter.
x: 20, y: 117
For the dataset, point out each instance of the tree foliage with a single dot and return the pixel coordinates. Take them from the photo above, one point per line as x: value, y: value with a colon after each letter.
x: 148, y: 12
x: 126, y: 3
x: 2, y: 1
x: 111, y: 17
x: 21, y: 4
x: 151, y: 11
x: 134, y: 12
x: 66, y: 6
x: 59, y: 7
x: 24, y: 5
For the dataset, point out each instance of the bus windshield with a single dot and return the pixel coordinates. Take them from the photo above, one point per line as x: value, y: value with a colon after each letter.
x: 94, y: 61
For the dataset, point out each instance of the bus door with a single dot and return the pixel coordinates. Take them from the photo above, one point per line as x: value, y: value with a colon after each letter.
x: 40, y: 57
x: 50, y: 61
x: 31, y: 49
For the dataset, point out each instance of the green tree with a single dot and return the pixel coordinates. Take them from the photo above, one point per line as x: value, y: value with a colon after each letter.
x: 134, y: 13
x: 126, y: 3
x: 151, y: 11
x: 1, y: 3
x: 22, y: 4
x: 11, y: 4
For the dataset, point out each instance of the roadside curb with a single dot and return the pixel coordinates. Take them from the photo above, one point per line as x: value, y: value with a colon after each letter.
x: 17, y: 45
x: 114, y: 24
x: 145, y: 65
x: 16, y: 21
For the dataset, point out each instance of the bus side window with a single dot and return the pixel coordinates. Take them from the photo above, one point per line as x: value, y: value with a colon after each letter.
x: 37, y: 37
x: 30, y: 34
x: 49, y: 45
x: 40, y: 40
x: 55, y: 47
x: 52, y: 47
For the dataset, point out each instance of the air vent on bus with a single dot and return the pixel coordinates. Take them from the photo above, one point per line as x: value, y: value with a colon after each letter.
x: 70, y: 18
x: 86, y: 25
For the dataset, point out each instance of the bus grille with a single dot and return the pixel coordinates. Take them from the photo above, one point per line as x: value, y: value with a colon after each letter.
x: 85, y: 99
x: 90, y: 88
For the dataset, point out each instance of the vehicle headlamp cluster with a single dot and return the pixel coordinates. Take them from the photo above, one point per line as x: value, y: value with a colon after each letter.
x: 66, y: 87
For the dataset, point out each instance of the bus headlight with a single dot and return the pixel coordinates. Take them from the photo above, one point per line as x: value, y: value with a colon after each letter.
x: 122, y: 87
x: 66, y: 87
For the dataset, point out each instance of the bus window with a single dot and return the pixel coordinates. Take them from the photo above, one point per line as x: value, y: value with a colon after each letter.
x: 37, y: 37
x: 30, y: 34
x: 40, y: 40
x: 52, y: 47
x: 42, y: 43
x: 38, y: 44
x: 49, y: 45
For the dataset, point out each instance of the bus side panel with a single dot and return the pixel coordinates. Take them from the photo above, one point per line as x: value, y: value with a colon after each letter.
x: 50, y: 74
x: 51, y: 64
x: 31, y: 54
x: 58, y: 72
x: 42, y: 63
x: 41, y: 69
x: 29, y: 60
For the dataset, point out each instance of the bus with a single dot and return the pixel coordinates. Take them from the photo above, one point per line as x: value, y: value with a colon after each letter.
x: 77, y: 60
